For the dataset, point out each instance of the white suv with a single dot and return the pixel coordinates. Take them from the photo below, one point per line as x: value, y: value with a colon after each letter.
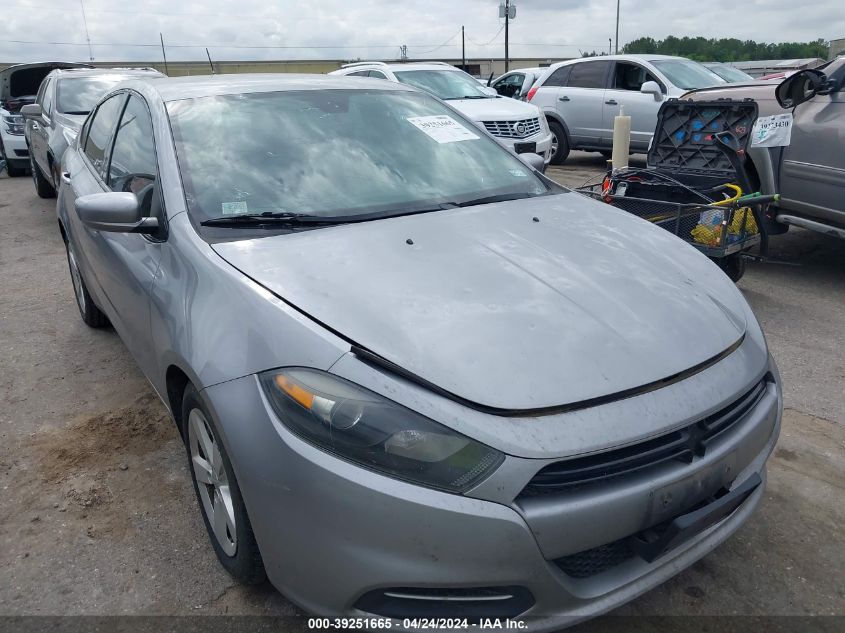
x: 517, y: 125
x: 581, y: 97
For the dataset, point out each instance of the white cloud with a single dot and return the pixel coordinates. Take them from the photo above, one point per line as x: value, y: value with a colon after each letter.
x: 376, y: 28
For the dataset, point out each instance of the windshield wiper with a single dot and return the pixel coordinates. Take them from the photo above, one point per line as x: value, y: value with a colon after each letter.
x: 77, y: 112
x: 502, y: 197
x: 270, y: 217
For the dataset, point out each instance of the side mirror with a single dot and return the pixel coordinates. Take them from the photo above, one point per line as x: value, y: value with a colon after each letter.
x: 652, y: 88
x: 800, y: 87
x: 115, y: 211
x: 490, y: 91
x: 534, y: 161
x: 31, y: 111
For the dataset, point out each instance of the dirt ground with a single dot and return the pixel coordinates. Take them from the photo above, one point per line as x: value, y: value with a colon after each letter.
x: 98, y: 515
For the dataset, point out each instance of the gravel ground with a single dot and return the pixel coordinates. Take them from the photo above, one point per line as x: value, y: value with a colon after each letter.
x: 99, y: 517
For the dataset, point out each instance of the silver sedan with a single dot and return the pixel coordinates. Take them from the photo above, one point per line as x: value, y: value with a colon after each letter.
x: 414, y: 377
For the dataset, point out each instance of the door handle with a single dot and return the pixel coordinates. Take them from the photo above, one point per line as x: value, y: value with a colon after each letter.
x: 563, y: 98
x: 66, y: 177
x: 611, y: 102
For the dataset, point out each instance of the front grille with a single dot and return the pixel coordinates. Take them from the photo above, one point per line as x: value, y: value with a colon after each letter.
x: 682, y: 445
x: 513, y: 129
x: 594, y: 561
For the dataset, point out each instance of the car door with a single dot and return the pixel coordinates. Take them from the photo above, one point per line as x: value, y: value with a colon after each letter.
x: 122, y: 158
x: 624, y: 90
x: 39, y: 131
x: 581, y: 100
x: 812, y: 172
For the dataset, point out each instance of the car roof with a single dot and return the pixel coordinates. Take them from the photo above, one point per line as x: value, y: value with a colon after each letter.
x: 95, y: 72
x: 399, y: 66
x: 178, y: 88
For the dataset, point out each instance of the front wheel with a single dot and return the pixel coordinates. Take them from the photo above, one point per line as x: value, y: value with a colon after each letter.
x: 91, y: 314
x: 219, y: 496
x: 13, y: 172
x: 43, y: 187
x: 560, y: 144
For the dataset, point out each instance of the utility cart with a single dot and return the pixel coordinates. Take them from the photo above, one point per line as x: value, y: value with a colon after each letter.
x: 696, y: 184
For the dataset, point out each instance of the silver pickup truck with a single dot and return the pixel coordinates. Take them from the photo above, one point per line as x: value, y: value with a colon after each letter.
x: 809, y: 173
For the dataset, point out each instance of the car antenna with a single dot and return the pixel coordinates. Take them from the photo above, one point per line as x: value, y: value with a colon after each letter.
x: 207, y: 54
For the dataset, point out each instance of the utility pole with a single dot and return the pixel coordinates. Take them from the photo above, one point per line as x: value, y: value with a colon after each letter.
x: 617, y: 26
x: 163, y: 54
x: 463, y: 51
x: 609, y: 46
x: 507, y: 21
x: 87, y: 36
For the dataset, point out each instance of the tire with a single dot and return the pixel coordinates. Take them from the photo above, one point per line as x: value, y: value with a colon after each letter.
x: 90, y: 313
x: 733, y: 266
x: 233, y: 541
x: 43, y: 187
x: 558, y: 138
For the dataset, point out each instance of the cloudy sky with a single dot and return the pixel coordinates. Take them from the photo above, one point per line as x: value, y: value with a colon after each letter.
x: 120, y: 30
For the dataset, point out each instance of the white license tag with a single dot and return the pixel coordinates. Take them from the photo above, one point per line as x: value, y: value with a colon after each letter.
x: 772, y: 131
x: 442, y: 128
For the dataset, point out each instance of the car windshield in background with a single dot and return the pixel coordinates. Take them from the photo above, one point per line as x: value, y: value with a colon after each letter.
x: 446, y: 84
x: 730, y: 74
x: 687, y: 74
x: 336, y: 153
x: 79, y: 95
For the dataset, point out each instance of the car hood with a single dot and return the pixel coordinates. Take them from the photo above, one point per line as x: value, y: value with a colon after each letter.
x: 504, y: 311
x: 495, y: 109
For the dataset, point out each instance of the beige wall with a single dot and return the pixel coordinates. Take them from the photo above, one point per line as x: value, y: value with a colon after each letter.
x: 177, y: 69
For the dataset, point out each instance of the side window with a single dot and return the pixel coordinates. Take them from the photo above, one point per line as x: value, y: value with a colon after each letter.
x: 559, y: 77
x: 377, y: 74
x: 132, y: 167
x: 588, y: 74
x: 510, y: 85
x: 630, y: 76
x: 359, y: 73
x: 47, y: 98
x: 100, y: 131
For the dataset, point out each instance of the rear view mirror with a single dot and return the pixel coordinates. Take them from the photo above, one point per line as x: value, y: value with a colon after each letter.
x: 800, y: 87
x: 117, y: 212
x: 652, y: 88
x: 31, y: 111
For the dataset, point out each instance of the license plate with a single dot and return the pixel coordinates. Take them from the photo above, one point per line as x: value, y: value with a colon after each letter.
x: 525, y: 148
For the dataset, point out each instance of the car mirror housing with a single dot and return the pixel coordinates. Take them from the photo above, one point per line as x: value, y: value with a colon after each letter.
x: 116, y: 212
x: 800, y: 87
x: 534, y: 161
x: 31, y: 111
x: 490, y: 91
x: 652, y: 88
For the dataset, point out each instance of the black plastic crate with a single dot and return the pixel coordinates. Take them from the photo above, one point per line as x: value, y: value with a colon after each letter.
x: 685, y: 140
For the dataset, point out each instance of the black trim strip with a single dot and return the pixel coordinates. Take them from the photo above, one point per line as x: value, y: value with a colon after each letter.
x: 372, y: 358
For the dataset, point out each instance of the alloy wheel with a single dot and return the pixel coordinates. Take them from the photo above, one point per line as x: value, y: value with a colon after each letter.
x: 76, y: 279
x: 212, y: 482
x: 554, y: 143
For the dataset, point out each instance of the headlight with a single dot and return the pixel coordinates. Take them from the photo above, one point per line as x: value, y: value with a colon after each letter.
x: 14, y: 124
x: 363, y: 427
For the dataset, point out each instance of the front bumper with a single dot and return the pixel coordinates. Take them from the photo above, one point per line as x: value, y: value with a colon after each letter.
x: 14, y: 146
x: 331, y: 532
x: 543, y: 144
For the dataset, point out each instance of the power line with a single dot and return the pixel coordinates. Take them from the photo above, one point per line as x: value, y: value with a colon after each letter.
x: 446, y: 43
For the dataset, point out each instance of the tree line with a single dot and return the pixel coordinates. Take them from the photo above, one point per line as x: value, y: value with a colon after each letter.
x: 726, y: 49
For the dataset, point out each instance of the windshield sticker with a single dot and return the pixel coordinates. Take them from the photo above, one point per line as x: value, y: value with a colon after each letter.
x: 772, y: 131
x: 442, y: 128
x: 234, y: 208
x: 516, y: 173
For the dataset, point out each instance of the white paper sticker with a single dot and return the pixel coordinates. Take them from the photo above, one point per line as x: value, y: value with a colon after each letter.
x: 442, y: 128
x: 772, y: 131
x: 234, y: 208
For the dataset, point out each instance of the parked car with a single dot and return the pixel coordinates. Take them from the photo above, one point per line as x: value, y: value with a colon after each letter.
x: 18, y: 86
x: 64, y: 99
x: 519, y: 126
x: 581, y: 97
x: 729, y: 73
x: 414, y: 377
x: 809, y: 173
x: 516, y: 83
